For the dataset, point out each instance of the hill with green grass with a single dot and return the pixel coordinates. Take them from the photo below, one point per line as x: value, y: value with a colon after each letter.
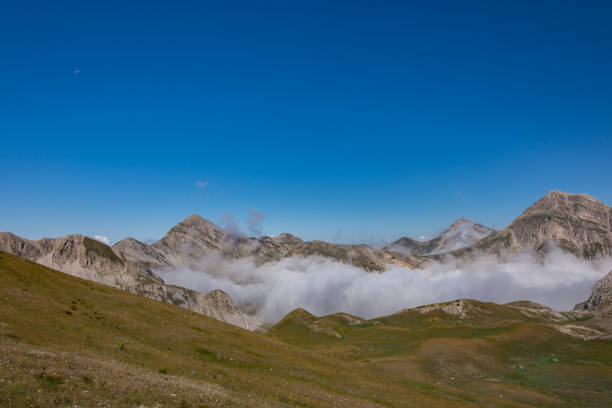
x: 66, y: 341
x: 521, y: 351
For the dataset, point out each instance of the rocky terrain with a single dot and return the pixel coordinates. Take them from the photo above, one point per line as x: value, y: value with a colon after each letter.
x: 195, y: 237
x: 462, y: 233
x: 362, y: 256
x: 601, y: 298
x: 577, y: 223
x: 128, y: 266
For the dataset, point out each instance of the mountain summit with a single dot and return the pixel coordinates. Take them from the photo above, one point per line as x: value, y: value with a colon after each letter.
x: 462, y: 233
x: 578, y: 223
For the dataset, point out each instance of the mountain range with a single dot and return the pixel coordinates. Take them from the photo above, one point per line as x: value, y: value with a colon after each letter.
x: 78, y: 340
x: 577, y: 223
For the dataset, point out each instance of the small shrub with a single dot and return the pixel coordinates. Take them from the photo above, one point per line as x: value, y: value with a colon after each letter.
x: 87, y: 380
x: 134, y: 400
x: 163, y: 371
x: 62, y: 400
x: 209, y: 354
x: 49, y: 381
x: 12, y: 336
x: 122, y: 346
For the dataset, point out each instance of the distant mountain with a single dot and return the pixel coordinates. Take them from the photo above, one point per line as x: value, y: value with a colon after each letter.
x: 577, y: 223
x: 462, y: 233
x: 128, y: 266
x: 361, y: 256
x: 195, y: 237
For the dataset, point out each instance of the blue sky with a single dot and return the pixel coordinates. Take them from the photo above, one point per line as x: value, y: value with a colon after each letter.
x: 351, y: 121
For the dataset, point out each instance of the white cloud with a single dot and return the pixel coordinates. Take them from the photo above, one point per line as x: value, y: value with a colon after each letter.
x: 322, y: 286
x: 76, y: 71
x: 201, y: 184
x: 254, y: 221
x: 102, y: 238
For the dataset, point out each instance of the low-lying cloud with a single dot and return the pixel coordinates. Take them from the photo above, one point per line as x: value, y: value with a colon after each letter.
x: 323, y: 286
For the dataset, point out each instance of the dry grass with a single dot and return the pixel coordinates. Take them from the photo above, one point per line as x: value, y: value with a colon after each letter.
x: 494, y: 350
x: 65, y: 341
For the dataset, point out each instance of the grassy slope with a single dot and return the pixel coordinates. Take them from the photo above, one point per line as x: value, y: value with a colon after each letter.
x: 65, y: 341
x: 497, y: 352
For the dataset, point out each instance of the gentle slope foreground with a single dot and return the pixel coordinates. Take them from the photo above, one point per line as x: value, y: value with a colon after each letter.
x: 521, y: 351
x: 66, y: 341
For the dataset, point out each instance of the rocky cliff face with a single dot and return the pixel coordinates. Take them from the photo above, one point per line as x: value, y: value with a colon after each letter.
x: 190, y: 239
x: 578, y: 223
x: 462, y: 233
x: 601, y: 297
x: 80, y: 256
x: 127, y: 266
x: 218, y: 305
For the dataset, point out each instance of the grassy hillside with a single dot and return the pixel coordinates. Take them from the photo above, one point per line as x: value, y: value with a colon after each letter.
x: 515, y: 351
x: 65, y: 341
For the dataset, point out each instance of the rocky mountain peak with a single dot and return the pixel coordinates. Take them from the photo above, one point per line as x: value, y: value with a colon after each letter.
x: 460, y: 234
x: 577, y: 223
x: 289, y: 239
x: 581, y: 206
x: 191, y: 238
x: 466, y: 224
x: 132, y: 249
x: 198, y: 223
x: 459, y: 222
x: 221, y: 300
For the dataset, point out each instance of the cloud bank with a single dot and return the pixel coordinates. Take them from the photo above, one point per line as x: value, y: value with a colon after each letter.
x: 323, y: 286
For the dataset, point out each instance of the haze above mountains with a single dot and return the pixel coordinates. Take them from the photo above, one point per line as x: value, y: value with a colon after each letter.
x: 269, y: 276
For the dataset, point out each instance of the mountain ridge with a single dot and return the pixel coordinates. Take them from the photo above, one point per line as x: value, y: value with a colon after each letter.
x: 577, y: 223
x: 85, y: 257
x: 460, y: 234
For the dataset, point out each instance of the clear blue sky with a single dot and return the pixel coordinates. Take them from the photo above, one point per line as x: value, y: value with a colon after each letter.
x: 344, y: 121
